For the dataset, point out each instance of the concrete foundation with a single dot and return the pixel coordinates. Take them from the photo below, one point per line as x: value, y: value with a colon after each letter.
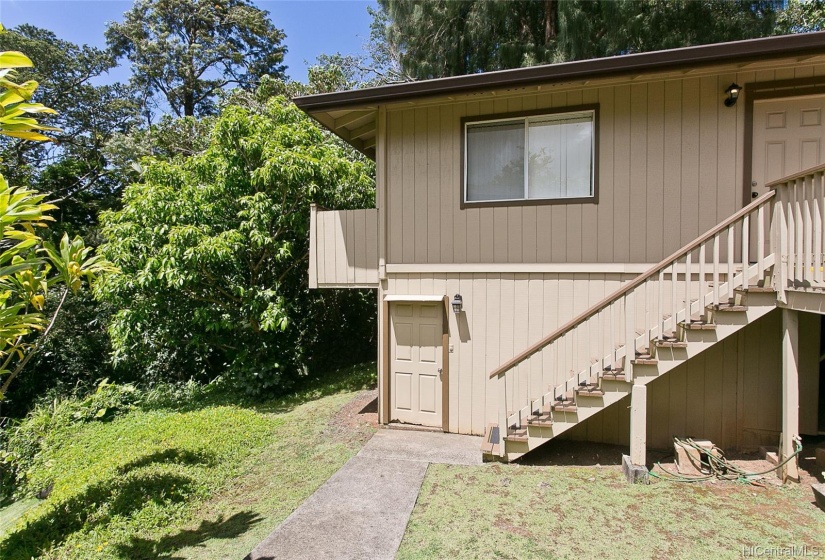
x: 819, y: 494
x: 635, y: 474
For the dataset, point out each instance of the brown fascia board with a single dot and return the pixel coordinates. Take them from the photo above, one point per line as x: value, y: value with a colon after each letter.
x: 703, y: 55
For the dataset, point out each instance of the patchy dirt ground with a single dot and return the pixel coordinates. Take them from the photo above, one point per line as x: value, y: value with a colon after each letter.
x: 570, y: 500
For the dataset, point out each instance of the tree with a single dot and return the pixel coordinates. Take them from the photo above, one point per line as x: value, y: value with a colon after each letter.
x: 213, y: 249
x: 438, y: 38
x: 801, y: 17
x: 73, y: 170
x: 25, y: 274
x: 187, y: 49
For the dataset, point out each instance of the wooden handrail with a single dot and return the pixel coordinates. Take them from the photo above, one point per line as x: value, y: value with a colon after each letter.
x: 639, y: 280
x: 795, y: 176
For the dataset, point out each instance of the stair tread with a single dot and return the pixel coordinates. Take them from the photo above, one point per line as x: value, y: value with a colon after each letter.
x: 589, y: 390
x: 566, y: 405
x: 757, y: 289
x: 518, y: 434
x: 695, y: 325
x: 728, y: 307
x: 541, y: 419
x: 670, y: 342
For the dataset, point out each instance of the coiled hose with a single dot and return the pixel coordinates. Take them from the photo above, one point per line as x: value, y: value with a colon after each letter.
x: 720, y: 468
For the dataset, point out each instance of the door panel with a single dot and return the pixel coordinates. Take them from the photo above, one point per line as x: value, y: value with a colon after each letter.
x: 787, y: 138
x: 416, y: 354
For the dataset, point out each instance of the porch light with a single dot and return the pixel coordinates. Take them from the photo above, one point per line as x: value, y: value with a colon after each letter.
x: 458, y: 303
x: 733, y: 94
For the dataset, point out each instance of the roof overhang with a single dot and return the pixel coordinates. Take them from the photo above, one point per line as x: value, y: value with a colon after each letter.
x: 352, y: 114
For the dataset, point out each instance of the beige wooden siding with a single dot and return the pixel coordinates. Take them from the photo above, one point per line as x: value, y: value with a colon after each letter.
x: 729, y: 394
x: 503, y: 314
x: 343, y: 248
x: 670, y: 168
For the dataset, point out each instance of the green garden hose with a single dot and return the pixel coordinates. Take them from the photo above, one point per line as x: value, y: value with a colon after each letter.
x: 719, y: 466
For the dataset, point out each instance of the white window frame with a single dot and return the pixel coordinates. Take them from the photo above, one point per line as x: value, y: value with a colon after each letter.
x: 565, y: 114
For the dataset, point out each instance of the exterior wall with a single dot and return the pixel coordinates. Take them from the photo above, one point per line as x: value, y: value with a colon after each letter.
x: 503, y: 314
x: 670, y: 168
x: 729, y: 394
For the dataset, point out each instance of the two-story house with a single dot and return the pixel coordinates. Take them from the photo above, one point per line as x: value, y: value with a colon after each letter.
x: 549, y: 241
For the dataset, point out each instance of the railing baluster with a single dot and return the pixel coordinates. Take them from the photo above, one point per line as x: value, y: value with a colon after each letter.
x: 746, y: 242
x: 674, y: 296
x: 502, y: 420
x: 703, y: 284
x: 715, y: 270
x: 688, y: 274
x: 630, y: 334
x: 791, y: 234
x: 807, y: 230
x: 660, y: 305
x: 760, y: 244
x: 731, y: 259
x: 816, y: 215
x: 819, y: 179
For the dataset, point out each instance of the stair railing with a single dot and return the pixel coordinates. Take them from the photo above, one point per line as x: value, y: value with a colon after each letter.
x: 608, y: 335
x: 800, y: 235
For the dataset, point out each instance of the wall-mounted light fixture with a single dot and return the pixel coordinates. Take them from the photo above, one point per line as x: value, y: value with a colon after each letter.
x: 733, y: 94
x: 458, y: 303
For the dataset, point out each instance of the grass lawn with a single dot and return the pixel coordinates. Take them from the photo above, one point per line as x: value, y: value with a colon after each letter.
x: 523, y: 511
x: 204, y: 483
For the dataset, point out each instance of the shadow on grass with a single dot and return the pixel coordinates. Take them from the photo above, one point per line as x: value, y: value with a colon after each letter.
x: 130, y: 490
x: 165, y: 547
x: 351, y: 379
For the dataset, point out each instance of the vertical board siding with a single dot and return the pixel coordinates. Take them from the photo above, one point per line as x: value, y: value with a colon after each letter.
x: 728, y: 393
x: 670, y: 168
x: 345, y: 248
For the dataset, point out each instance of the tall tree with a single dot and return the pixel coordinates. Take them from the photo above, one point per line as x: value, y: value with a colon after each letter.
x: 86, y: 114
x: 437, y: 38
x: 185, y: 50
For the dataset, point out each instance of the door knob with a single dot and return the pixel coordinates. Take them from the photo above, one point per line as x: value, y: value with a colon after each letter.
x: 754, y: 194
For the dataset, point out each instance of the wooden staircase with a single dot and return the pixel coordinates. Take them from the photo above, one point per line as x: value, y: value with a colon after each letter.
x: 556, y: 414
x: 716, y: 285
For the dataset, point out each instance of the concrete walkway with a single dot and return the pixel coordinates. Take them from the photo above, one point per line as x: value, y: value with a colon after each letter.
x: 363, y: 509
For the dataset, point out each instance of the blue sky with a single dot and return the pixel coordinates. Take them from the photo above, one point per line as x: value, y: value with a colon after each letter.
x: 312, y: 27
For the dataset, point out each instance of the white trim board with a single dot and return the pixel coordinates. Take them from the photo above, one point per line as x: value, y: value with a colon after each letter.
x: 494, y: 268
x: 402, y: 297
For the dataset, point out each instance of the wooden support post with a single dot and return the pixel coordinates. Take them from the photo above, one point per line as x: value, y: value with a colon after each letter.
x: 638, y: 425
x: 790, y: 393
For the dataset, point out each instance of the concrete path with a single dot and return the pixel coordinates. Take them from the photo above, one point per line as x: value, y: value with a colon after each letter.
x: 363, y: 509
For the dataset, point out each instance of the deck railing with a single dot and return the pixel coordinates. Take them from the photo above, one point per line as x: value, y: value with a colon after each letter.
x: 799, y: 232
x: 608, y: 335
x: 343, y: 248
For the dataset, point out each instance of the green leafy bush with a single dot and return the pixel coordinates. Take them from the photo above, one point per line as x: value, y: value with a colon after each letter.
x: 213, y: 252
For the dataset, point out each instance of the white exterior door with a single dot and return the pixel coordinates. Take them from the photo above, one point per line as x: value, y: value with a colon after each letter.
x: 788, y: 137
x: 415, y: 363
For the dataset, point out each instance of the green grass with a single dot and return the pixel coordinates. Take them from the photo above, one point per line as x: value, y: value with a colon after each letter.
x: 209, y: 482
x: 515, y: 511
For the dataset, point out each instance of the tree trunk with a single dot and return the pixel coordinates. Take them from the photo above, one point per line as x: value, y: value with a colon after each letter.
x: 551, y: 8
x: 188, y: 103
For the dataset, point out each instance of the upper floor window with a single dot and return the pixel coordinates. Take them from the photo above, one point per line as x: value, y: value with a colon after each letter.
x: 531, y: 159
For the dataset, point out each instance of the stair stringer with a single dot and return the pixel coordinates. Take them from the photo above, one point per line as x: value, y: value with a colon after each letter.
x: 727, y: 324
